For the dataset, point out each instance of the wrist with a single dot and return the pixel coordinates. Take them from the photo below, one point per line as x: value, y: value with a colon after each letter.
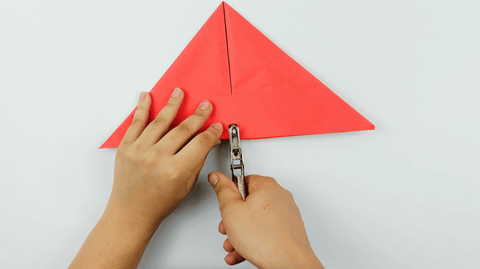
x: 303, y: 259
x: 127, y: 219
x: 117, y: 241
x: 311, y: 262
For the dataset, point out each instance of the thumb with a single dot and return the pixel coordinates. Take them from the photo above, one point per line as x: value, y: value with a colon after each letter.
x: 227, y: 192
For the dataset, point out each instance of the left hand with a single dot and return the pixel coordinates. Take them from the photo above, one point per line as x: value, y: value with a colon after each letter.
x: 155, y: 169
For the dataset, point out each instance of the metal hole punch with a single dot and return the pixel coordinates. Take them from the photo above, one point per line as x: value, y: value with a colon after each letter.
x: 236, y: 160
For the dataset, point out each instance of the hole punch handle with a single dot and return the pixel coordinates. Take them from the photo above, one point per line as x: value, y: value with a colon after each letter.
x: 236, y: 159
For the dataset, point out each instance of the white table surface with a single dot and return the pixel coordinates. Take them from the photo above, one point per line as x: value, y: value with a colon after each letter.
x: 406, y: 195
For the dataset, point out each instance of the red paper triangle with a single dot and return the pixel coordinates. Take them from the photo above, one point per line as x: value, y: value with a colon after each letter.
x: 250, y: 82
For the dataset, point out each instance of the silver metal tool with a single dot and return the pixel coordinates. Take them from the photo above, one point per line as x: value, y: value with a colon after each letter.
x: 236, y: 160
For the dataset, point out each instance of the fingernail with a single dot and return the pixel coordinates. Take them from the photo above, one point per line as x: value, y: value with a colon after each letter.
x: 213, y: 179
x: 143, y: 95
x: 176, y: 93
x: 218, y: 126
x: 204, y: 105
x: 218, y: 143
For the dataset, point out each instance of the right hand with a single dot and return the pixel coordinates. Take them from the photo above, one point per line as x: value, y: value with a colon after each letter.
x: 266, y: 228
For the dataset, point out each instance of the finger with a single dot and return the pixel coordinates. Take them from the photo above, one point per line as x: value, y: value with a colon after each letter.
x: 178, y: 136
x: 196, y: 150
x: 233, y: 258
x: 227, y: 246
x: 140, y: 119
x: 159, y: 126
x: 227, y: 192
x: 256, y: 183
x: 221, y: 228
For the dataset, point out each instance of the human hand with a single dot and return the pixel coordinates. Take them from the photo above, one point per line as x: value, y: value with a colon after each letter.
x: 155, y: 169
x: 266, y: 228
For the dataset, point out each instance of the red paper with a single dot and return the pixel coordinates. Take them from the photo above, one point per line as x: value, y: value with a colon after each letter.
x: 250, y: 82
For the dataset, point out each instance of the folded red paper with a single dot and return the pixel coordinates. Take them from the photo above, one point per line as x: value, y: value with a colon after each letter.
x: 250, y: 82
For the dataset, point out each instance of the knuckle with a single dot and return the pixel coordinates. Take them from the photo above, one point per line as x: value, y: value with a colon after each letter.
x: 148, y: 161
x: 141, y: 109
x: 265, y: 182
x: 207, y: 138
x: 134, y: 148
x: 271, y: 180
x: 123, y: 152
x: 184, y: 128
x: 288, y: 194
x: 157, y: 151
x: 172, y: 173
x: 131, y: 153
x: 221, y: 188
x: 130, y: 156
x: 137, y: 121
x: 147, y: 164
x: 159, y: 120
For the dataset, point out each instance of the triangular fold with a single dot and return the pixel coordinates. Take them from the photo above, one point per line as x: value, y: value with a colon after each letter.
x: 250, y: 82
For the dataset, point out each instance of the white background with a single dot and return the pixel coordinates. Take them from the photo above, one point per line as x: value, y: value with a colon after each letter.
x: 406, y: 195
